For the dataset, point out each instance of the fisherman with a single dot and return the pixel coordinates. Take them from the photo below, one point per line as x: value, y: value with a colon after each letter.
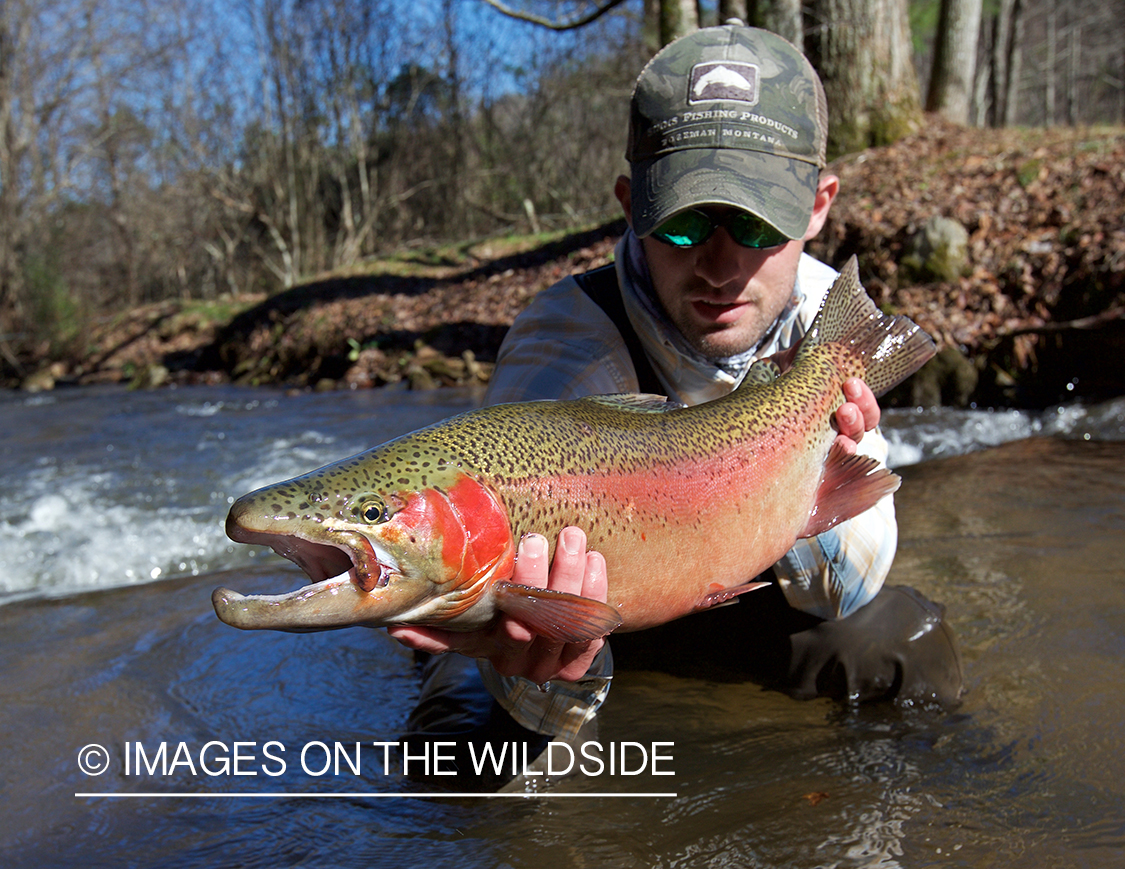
x: 726, y: 148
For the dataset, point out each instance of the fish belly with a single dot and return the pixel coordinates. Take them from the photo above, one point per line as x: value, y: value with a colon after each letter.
x: 673, y: 535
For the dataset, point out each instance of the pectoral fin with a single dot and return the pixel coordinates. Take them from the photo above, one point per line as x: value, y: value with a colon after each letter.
x: 850, y: 485
x: 555, y: 614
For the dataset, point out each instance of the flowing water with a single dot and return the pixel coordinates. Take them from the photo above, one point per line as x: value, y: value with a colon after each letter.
x: 111, y: 509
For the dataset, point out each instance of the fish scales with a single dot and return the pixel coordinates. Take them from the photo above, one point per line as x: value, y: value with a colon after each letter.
x: 687, y: 505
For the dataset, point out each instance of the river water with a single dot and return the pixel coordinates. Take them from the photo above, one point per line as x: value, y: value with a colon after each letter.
x: 111, y: 511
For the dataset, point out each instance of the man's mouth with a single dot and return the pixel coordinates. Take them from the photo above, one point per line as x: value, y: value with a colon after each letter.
x: 717, y: 311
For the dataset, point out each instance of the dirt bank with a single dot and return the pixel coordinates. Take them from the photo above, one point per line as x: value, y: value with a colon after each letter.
x: 1033, y: 317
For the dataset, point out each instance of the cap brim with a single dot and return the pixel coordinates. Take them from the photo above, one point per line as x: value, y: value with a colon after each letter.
x: 780, y: 190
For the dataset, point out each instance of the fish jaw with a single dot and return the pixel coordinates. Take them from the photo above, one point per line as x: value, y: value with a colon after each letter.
x: 355, y: 582
x: 427, y: 556
x: 321, y: 551
x: 333, y: 603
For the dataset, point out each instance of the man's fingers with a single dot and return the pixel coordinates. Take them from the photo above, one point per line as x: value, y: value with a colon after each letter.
x: 859, y: 393
x: 849, y: 421
x: 432, y: 640
x: 595, y: 583
x: 860, y: 411
x: 575, y: 659
x: 846, y: 444
x: 531, y: 561
x: 509, y: 645
x: 569, y: 565
x: 514, y: 632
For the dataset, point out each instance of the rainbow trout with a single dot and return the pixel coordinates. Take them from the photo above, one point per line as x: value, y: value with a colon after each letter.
x: 687, y: 504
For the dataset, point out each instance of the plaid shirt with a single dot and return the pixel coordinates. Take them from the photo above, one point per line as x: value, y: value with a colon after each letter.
x: 564, y: 346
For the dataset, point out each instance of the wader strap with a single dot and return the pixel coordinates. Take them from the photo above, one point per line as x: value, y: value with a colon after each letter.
x: 601, y: 286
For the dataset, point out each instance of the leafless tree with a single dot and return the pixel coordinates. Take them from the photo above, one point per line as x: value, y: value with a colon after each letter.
x: 152, y: 149
x: 955, y: 56
x: 862, y: 51
x: 43, y: 55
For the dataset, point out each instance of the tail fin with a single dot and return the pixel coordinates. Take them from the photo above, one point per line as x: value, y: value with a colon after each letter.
x: 889, y: 348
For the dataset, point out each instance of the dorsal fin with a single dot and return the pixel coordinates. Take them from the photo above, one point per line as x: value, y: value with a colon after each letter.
x: 763, y: 371
x: 636, y: 402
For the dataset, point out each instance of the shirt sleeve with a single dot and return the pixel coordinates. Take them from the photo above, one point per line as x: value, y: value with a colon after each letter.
x: 835, y: 573
x: 556, y: 708
x: 563, y: 346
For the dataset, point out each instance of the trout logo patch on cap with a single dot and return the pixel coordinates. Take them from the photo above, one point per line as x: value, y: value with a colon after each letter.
x: 724, y: 80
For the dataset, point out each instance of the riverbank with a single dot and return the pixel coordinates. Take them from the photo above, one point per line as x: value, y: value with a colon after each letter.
x: 1032, y: 316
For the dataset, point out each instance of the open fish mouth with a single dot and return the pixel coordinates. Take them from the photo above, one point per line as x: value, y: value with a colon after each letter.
x: 343, y: 573
x: 367, y: 565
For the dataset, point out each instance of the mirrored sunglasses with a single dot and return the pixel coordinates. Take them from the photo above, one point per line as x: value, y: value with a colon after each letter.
x: 693, y: 227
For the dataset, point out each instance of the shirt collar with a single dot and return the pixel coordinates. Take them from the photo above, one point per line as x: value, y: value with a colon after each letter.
x: 689, y: 376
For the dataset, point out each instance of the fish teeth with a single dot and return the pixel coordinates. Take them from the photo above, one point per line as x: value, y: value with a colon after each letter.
x: 308, y: 589
x: 385, y: 558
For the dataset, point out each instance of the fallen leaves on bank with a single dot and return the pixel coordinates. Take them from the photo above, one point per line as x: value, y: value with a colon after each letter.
x: 1044, y: 213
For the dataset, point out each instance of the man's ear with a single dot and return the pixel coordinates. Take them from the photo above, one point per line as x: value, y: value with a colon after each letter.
x: 826, y: 190
x: 623, y: 190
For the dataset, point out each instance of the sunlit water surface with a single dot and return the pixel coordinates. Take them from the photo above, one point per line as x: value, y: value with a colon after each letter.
x: 111, y: 509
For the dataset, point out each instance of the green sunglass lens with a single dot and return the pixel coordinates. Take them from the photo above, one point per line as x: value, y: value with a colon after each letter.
x: 689, y: 228
x: 751, y: 231
x: 686, y: 229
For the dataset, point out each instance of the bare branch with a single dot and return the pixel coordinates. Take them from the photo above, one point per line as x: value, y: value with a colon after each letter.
x: 1095, y: 321
x: 573, y: 24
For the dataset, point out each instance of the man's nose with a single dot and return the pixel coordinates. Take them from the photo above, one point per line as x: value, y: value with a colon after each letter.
x: 718, y: 260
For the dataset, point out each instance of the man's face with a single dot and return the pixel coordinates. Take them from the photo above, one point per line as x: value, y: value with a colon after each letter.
x: 724, y: 297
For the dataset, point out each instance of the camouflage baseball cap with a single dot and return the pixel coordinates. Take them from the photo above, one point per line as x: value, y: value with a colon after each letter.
x: 729, y: 115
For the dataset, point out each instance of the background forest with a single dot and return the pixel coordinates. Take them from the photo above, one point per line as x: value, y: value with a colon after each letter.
x: 196, y: 149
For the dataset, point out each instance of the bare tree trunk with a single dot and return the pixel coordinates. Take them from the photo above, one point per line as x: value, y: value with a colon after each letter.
x: 650, y: 27
x: 40, y: 81
x: 1001, y: 37
x: 862, y: 50
x: 1121, y: 83
x: 1052, y: 51
x: 1073, y: 71
x: 982, y: 106
x: 783, y: 17
x: 955, y: 56
x: 1014, y: 65
x: 110, y: 136
x: 1004, y: 64
x: 677, y: 18
x: 11, y: 158
x: 456, y: 180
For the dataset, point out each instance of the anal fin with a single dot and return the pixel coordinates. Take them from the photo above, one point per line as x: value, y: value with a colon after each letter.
x: 726, y: 596
x: 850, y: 485
x: 557, y: 615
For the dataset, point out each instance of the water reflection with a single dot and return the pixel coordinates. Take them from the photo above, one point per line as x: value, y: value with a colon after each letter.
x: 1022, y: 542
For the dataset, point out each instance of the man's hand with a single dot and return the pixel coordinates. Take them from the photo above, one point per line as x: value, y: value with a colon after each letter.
x: 509, y: 645
x: 858, y: 414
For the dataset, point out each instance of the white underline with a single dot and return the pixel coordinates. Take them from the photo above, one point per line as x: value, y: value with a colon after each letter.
x: 366, y: 796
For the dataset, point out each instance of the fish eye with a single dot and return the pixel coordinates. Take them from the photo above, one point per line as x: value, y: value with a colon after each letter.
x: 374, y: 511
